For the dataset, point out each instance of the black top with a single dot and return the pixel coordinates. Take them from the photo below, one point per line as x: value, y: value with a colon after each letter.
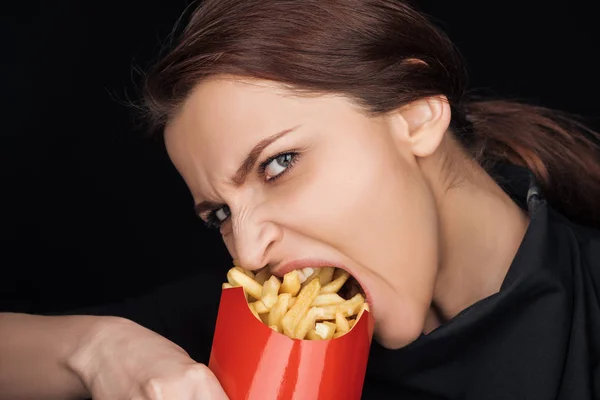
x: 538, y: 338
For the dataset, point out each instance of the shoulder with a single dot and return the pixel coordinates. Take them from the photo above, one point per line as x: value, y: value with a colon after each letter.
x: 586, y: 243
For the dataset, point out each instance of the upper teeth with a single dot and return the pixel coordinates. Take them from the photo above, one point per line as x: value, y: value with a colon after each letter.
x: 304, y: 273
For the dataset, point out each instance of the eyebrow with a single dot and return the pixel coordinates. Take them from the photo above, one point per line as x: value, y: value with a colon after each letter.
x: 244, y: 169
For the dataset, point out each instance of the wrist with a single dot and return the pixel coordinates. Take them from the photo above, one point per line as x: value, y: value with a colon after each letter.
x: 83, y: 357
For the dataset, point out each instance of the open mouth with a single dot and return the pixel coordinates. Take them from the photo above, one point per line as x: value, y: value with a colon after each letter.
x: 309, y: 303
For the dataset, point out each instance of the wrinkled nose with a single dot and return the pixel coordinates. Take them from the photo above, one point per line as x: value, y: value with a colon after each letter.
x: 253, y: 240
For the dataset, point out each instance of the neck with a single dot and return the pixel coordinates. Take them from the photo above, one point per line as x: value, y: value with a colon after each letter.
x: 481, y: 229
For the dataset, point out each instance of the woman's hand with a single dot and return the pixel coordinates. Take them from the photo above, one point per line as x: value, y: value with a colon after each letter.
x: 122, y: 360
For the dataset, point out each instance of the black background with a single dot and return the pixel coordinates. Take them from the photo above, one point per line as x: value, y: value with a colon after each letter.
x: 91, y: 209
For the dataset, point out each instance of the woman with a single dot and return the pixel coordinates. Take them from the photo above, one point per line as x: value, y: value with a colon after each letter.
x: 339, y: 133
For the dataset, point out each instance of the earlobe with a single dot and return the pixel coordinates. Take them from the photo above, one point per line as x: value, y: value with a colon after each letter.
x: 427, y: 121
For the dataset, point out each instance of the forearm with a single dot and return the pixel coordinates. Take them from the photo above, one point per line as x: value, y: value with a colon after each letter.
x: 36, y: 354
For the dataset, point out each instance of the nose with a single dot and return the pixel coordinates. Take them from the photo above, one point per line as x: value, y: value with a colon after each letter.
x: 253, y: 241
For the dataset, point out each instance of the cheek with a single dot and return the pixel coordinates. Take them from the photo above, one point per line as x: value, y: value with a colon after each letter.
x: 379, y: 214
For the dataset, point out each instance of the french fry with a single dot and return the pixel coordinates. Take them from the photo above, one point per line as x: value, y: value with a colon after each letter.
x: 307, y: 322
x: 253, y: 309
x: 291, y: 283
x: 330, y: 325
x: 322, y: 331
x: 236, y: 263
x: 260, y: 307
x: 328, y: 299
x: 363, y: 308
x: 313, y: 335
x: 269, y: 292
x: 335, y: 285
x: 302, y: 305
x: 326, y: 275
x: 348, y: 308
x: 237, y: 277
x: 299, y: 309
x: 279, y: 310
x: 341, y: 323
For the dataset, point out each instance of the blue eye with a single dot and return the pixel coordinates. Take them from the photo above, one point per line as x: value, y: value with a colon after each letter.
x: 278, y: 165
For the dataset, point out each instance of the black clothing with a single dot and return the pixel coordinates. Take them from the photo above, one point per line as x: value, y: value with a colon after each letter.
x: 537, y: 338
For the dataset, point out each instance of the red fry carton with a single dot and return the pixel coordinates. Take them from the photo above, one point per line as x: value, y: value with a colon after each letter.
x: 253, y: 362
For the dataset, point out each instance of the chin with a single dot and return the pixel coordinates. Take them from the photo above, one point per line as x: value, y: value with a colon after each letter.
x: 400, y: 327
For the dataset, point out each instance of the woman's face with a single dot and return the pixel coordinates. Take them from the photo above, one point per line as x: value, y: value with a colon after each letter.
x: 296, y: 181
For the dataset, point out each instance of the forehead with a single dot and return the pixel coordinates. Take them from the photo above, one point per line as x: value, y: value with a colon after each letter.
x: 220, y: 122
x: 223, y: 118
x: 221, y: 110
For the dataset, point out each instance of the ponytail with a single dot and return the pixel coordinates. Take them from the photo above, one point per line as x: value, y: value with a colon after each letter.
x: 560, y: 151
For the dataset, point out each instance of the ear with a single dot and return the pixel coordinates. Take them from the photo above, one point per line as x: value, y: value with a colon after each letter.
x: 425, y: 122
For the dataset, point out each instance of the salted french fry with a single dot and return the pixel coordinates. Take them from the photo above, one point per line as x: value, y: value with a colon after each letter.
x: 313, y: 335
x: 300, y: 308
x: 269, y: 292
x: 322, y: 331
x: 262, y: 276
x: 326, y: 275
x: 278, y: 311
x: 341, y: 323
x: 291, y: 303
x: 307, y: 322
x: 276, y: 329
x: 335, y: 285
x: 338, y: 334
x: 328, y: 299
x: 227, y: 286
x: 237, y: 277
x: 291, y: 283
x: 351, y: 322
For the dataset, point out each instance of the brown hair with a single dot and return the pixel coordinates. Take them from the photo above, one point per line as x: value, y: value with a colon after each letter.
x: 366, y: 50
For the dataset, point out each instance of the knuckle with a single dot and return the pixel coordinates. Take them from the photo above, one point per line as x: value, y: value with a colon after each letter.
x: 198, y: 372
x: 153, y: 388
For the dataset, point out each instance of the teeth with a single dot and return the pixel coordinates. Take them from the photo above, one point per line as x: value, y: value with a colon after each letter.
x: 304, y: 273
x: 308, y: 271
x: 301, y: 275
